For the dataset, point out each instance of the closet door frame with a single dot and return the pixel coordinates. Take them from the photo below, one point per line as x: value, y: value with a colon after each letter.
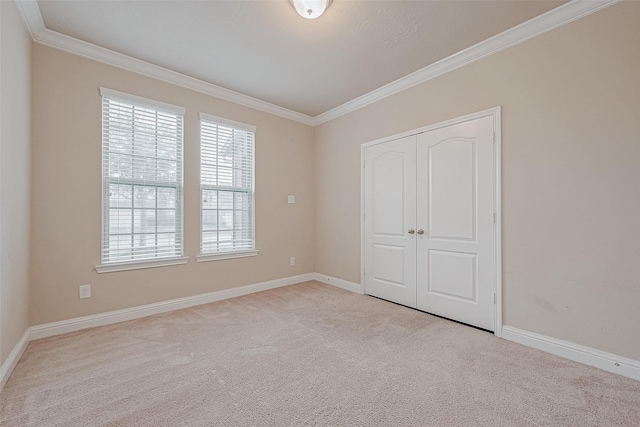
x: 495, y: 113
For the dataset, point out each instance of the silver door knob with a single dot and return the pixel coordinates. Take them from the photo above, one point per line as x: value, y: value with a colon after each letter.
x: 421, y: 232
x: 412, y: 231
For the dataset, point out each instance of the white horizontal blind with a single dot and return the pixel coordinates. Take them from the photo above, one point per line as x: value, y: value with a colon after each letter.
x: 227, y: 186
x: 142, y: 181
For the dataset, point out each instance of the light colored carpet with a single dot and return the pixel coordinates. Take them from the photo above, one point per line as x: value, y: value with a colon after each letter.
x: 305, y: 355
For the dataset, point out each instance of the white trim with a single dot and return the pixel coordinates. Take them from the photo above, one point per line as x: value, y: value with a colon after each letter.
x: 497, y: 128
x: 226, y: 255
x: 473, y: 116
x: 141, y: 101
x: 627, y: 367
x: 222, y: 121
x: 137, y: 265
x: 109, y: 57
x: 578, y: 353
x: 362, y: 218
x: 339, y: 283
x: 496, y: 113
x: 108, y: 318
x: 541, y: 24
x: 14, y: 357
x: 30, y: 12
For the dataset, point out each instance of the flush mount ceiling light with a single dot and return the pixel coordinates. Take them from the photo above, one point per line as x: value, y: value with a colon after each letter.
x: 310, y: 9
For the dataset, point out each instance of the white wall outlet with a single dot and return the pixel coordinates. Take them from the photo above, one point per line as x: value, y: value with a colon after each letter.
x: 291, y: 198
x: 85, y: 291
x: 292, y: 261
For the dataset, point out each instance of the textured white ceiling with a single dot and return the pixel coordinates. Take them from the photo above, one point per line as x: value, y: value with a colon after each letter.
x: 265, y: 50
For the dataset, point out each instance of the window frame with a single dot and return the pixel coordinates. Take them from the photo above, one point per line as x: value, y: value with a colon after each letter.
x: 156, y: 261
x: 230, y: 254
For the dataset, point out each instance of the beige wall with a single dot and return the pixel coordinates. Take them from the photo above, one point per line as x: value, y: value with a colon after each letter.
x: 15, y: 172
x: 66, y: 199
x: 571, y: 175
x: 571, y: 183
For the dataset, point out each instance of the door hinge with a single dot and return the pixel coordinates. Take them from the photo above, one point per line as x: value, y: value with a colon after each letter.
x: 364, y: 271
x: 364, y: 163
x: 364, y: 217
x: 494, y: 217
x: 494, y: 137
x: 495, y: 298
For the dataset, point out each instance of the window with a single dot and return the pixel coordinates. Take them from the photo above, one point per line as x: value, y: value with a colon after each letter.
x: 226, y: 188
x: 142, y: 178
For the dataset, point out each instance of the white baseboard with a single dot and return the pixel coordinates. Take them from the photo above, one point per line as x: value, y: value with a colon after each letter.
x: 7, y: 367
x: 589, y: 356
x: 108, y: 318
x: 343, y: 284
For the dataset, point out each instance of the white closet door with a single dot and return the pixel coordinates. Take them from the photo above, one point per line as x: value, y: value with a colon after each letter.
x: 390, y: 218
x: 455, y: 246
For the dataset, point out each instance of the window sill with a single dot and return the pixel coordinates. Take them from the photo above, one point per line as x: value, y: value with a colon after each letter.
x: 136, y: 265
x: 226, y: 255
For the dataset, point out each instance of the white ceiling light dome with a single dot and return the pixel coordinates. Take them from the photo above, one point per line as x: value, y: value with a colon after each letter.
x: 310, y: 9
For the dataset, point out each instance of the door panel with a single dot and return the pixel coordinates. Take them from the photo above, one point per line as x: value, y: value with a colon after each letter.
x: 388, y: 262
x: 390, y: 211
x: 455, y: 199
x: 452, y: 193
x: 387, y: 196
x: 453, y: 275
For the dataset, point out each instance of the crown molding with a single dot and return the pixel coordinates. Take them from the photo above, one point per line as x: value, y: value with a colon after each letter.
x: 541, y: 24
x: 30, y: 12
x: 110, y: 57
x: 40, y: 34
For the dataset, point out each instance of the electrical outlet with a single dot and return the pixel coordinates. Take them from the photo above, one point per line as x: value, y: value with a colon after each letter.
x: 85, y: 291
x: 292, y: 261
x: 291, y: 199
